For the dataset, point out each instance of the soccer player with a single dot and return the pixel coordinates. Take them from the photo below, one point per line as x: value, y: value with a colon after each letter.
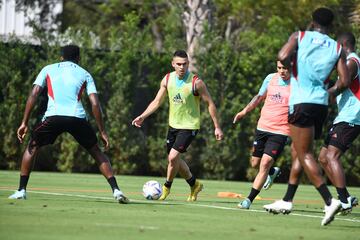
x: 345, y: 129
x: 317, y: 55
x: 65, y: 82
x: 185, y: 91
x: 272, y: 130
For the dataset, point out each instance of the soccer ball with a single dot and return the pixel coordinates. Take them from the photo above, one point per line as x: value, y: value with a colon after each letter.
x: 152, y: 190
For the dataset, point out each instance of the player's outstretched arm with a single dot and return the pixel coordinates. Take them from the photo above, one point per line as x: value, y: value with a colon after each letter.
x: 251, y: 106
x: 22, y: 130
x: 153, y: 106
x: 289, y: 48
x: 97, y: 112
x: 205, y: 96
x: 344, y: 77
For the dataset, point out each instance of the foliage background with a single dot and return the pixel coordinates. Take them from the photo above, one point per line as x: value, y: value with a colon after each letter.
x: 127, y: 47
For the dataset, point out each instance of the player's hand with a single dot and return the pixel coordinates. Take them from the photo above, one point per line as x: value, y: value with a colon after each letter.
x: 219, y: 134
x: 239, y: 116
x: 105, y: 139
x: 138, y: 121
x: 21, y: 132
x: 332, y: 99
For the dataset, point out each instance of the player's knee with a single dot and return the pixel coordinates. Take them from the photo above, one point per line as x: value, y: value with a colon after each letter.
x: 331, y: 156
x: 266, y: 163
x: 296, y: 169
x: 172, y: 158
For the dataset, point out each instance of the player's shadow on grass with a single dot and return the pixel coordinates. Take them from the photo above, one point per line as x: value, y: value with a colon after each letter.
x: 217, y: 201
x: 316, y: 210
x: 154, y: 203
x: 354, y: 214
x: 320, y: 211
x: 341, y: 228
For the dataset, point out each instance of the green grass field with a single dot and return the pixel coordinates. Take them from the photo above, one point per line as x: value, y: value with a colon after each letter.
x: 80, y: 206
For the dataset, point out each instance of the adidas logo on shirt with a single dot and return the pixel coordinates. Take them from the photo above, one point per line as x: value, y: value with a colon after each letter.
x: 178, y: 99
x: 277, y: 98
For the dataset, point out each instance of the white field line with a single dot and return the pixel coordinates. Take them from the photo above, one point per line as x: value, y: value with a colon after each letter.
x: 185, y: 204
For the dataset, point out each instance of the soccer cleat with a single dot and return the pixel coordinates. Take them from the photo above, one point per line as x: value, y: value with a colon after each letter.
x: 330, y: 211
x: 120, y: 197
x: 354, y: 201
x: 195, y: 191
x: 346, y: 208
x: 18, y: 194
x: 270, y: 178
x: 165, y: 193
x: 279, y: 206
x: 245, y: 204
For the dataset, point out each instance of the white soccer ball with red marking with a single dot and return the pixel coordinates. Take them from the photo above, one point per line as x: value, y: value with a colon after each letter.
x: 152, y: 190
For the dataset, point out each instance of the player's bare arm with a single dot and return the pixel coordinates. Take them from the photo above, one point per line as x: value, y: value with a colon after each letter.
x: 153, y: 106
x: 205, y: 96
x: 22, y: 130
x: 251, y: 106
x: 353, y: 69
x: 288, y: 49
x: 97, y: 112
x: 344, y: 79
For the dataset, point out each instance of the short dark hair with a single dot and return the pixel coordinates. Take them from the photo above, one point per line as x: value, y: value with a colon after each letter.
x: 180, y: 53
x: 286, y: 62
x: 70, y: 53
x: 347, y: 37
x: 323, y: 16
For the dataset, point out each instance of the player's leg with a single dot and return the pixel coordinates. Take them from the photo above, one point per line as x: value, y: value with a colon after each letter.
x: 303, y: 142
x: 255, y: 162
x: 102, y: 161
x: 172, y: 170
x: 323, y: 152
x: 330, y: 161
x: 82, y: 131
x: 265, y: 164
x: 44, y: 133
x: 337, y: 175
x: 272, y: 146
x: 170, y: 140
x: 257, y: 154
x: 104, y: 165
x: 25, y: 170
x: 173, y: 164
x: 285, y: 204
x: 295, y: 175
x: 183, y: 141
x: 340, y: 138
x: 195, y: 185
x: 324, y: 163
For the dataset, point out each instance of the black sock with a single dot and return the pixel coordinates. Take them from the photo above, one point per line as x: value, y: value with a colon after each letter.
x: 290, y: 192
x: 191, y: 181
x: 347, y: 193
x: 253, y: 194
x: 23, y: 182
x: 271, y: 171
x: 168, y: 184
x: 342, y: 194
x: 113, y: 183
x: 325, y: 193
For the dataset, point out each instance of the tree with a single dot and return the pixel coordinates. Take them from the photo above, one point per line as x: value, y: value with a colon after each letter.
x: 195, y: 17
